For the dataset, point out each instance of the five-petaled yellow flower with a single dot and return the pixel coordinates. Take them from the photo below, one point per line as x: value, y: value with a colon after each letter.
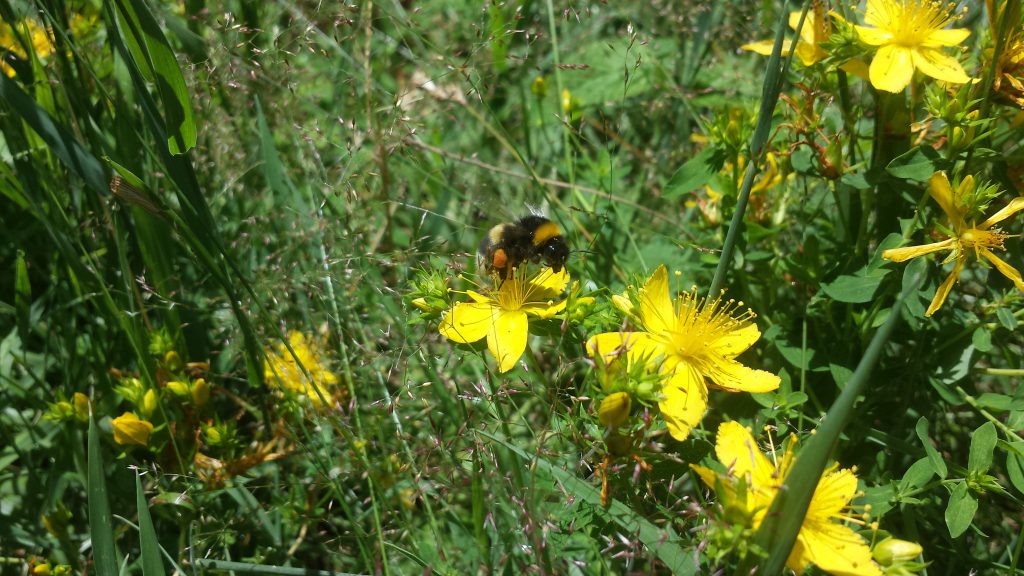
x: 501, y: 315
x: 696, y: 340
x: 909, y: 35
x: 283, y: 370
x: 751, y: 484
x: 967, y: 236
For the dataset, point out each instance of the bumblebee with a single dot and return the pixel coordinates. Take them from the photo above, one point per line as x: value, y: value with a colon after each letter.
x: 532, y: 238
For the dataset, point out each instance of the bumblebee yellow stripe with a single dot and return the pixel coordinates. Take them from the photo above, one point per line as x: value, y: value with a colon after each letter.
x: 545, y: 232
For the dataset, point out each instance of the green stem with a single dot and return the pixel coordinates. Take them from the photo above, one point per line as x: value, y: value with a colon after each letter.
x: 775, y: 76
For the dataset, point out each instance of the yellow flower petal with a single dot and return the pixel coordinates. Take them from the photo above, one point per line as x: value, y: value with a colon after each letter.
x: 734, y: 343
x: 656, y: 310
x: 834, y: 491
x: 947, y: 285
x: 467, y: 322
x: 933, y: 63
x: 735, y: 377
x: 834, y: 548
x: 548, y: 284
x: 908, y: 252
x: 636, y: 345
x: 736, y: 448
x: 1009, y: 271
x: 892, y: 68
x: 507, y: 336
x: 941, y: 191
x: 764, y: 47
x: 808, y: 53
x: 686, y: 399
x: 873, y: 36
x: 1015, y: 205
x: 544, y: 310
x: 946, y: 37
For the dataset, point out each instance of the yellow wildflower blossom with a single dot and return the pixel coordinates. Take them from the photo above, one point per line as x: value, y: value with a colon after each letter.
x: 129, y: 430
x: 753, y: 480
x: 10, y: 43
x: 909, y: 35
x: 283, y: 370
x: 967, y: 236
x: 696, y: 341
x: 502, y: 315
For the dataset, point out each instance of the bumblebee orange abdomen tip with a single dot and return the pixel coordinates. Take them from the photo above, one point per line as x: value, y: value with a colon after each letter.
x: 545, y: 232
x: 500, y: 259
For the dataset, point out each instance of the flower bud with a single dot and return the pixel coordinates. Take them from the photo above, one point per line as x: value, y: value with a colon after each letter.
x: 892, y: 551
x: 200, y: 393
x: 614, y: 410
x: 539, y: 87
x: 148, y: 404
x: 81, y: 403
x: 173, y: 361
x: 180, y: 389
x: 129, y: 430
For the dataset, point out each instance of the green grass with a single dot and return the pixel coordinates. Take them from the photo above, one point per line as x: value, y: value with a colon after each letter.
x: 186, y: 185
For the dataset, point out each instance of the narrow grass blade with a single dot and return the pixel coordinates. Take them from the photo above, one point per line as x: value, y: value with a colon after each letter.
x: 786, y: 515
x: 101, y: 523
x: 22, y: 296
x: 152, y: 565
x: 248, y: 568
x: 59, y: 139
x: 156, y: 61
x: 660, y: 541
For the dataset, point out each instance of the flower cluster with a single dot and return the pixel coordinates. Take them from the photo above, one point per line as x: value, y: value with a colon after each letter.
x: 300, y: 367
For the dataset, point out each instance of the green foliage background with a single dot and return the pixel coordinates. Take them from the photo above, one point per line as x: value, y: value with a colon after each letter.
x: 333, y: 152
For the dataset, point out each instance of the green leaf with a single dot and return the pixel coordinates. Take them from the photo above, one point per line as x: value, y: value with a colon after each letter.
x: 22, y: 296
x: 155, y: 59
x: 983, y: 442
x: 999, y: 402
x: 59, y: 139
x: 960, y: 510
x: 695, y: 173
x: 917, y: 164
x: 982, y: 339
x: 101, y: 523
x: 152, y: 565
x: 1015, y: 465
x: 938, y: 464
x: 857, y: 288
x: 917, y: 475
x: 662, y: 541
x: 1006, y: 318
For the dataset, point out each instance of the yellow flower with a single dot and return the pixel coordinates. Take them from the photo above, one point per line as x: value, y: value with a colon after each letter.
x: 281, y: 369
x: 751, y: 484
x: 967, y: 236
x: 697, y: 341
x: 815, y: 30
x: 502, y: 315
x: 128, y: 429
x: 9, y: 41
x: 909, y: 35
x: 768, y: 179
